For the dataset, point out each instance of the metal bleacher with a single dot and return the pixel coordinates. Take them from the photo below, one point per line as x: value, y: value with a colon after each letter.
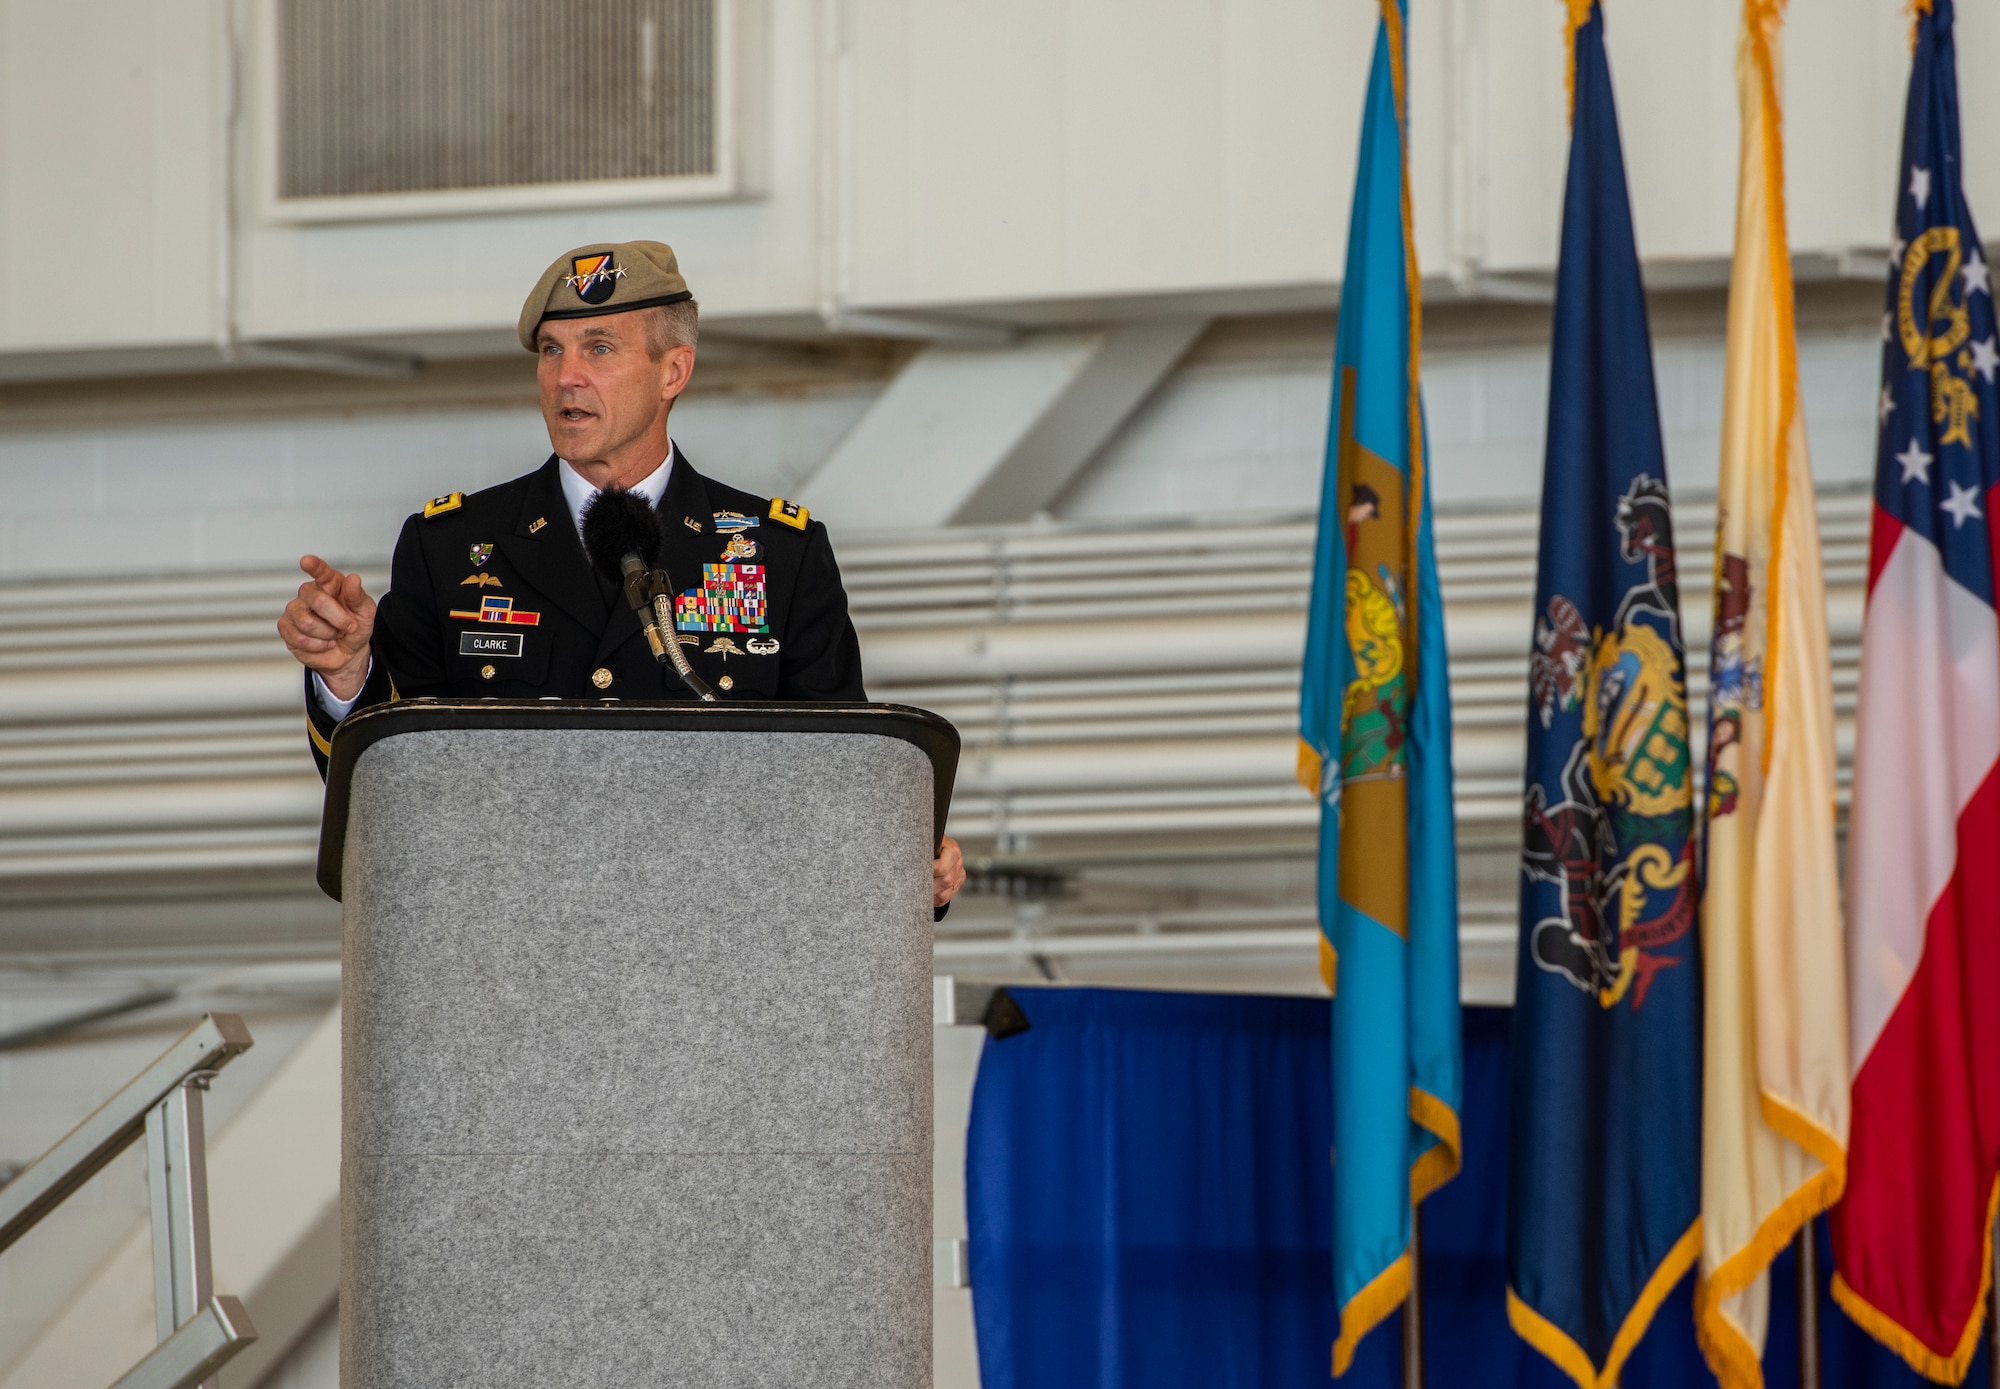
x: 1127, y: 697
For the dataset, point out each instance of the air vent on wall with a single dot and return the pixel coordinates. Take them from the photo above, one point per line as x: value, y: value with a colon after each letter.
x: 386, y: 107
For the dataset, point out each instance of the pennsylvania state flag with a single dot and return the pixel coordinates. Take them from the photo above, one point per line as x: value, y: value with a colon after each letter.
x: 1375, y: 747
x: 1604, y: 1179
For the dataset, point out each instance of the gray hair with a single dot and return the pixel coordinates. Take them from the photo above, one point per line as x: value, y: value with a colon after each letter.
x: 672, y: 325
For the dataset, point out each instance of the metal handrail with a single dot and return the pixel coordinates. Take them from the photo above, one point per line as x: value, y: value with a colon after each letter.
x: 116, y: 1124
x: 197, y: 1330
x: 195, y: 1351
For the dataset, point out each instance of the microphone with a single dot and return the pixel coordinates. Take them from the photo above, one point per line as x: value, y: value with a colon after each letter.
x: 621, y: 534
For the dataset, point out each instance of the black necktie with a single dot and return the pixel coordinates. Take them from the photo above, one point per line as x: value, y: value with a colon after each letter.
x: 608, y: 589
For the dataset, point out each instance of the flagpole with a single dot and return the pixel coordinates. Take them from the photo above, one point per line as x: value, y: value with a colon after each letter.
x: 1413, y: 1309
x: 1808, y: 1308
x: 1993, y: 1326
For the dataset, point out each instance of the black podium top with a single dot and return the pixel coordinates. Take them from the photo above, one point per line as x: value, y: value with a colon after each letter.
x: 361, y: 731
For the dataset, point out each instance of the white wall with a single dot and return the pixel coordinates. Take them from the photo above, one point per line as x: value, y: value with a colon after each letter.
x: 1044, y: 149
x: 1037, y: 157
x: 1229, y: 435
x: 108, y: 121
x: 1251, y: 436
x: 1099, y: 147
x: 1225, y: 433
x: 142, y: 497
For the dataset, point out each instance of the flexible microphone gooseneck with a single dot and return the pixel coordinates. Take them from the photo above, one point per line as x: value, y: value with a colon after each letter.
x: 621, y: 534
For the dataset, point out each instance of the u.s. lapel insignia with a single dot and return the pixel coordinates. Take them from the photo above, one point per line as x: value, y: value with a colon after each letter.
x: 481, y: 553
x: 480, y: 580
x: 723, y: 647
x: 729, y: 522
x: 691, y: 524
x: 740, y: 546
x: 762, y: 646
x: 537, y: 524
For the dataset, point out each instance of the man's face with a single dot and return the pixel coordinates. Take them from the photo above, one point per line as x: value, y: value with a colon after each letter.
x: 602, y: 395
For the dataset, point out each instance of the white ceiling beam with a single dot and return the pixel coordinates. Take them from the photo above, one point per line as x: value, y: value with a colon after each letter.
x: 991, y: 433
x: 1121, y: 374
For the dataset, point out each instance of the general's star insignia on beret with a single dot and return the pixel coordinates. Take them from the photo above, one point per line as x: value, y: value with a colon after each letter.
x: 594, y: 278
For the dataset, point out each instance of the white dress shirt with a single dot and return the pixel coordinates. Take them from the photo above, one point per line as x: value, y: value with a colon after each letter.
x: 578, y: 494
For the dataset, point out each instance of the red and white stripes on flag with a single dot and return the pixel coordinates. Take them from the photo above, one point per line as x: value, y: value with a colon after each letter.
x: 1913, y: 1236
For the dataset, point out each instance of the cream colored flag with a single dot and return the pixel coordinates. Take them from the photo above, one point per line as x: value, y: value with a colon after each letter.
x: 1775, y: 1081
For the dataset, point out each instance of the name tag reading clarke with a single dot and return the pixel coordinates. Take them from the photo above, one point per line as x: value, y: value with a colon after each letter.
x: 492, y: 643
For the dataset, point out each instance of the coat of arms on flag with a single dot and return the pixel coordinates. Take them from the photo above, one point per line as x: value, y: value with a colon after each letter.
x: 1613, y: 835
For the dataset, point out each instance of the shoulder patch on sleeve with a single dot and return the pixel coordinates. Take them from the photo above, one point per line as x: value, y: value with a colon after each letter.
x: 790, y: 513
x: 438, y: 506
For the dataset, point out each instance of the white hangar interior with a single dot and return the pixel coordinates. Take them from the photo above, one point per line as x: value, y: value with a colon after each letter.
x: 1033, y: 303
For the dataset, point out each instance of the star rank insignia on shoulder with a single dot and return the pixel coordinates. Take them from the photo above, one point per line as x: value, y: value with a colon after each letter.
x: 789, y: 513
x: 438, y: 506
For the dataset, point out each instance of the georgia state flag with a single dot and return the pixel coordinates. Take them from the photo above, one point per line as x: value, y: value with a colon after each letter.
x: 1911, y: 1238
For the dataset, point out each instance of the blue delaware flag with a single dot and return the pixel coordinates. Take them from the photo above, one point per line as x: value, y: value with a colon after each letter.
x: 1375, y: 747
x: 1604, y: 1168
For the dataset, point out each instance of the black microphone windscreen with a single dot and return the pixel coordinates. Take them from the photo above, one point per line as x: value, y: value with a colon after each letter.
x: 615, y: 524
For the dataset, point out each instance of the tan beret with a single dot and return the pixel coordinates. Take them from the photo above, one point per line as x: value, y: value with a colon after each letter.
x: 595, y: 280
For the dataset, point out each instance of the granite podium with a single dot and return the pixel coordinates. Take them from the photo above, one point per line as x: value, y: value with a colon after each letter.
x: 637, y: 1057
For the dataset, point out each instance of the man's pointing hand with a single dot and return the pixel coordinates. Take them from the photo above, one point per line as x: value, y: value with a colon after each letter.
x: 327, y: 627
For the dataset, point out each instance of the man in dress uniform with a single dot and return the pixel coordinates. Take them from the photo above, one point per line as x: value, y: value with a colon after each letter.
x: 491, y: 594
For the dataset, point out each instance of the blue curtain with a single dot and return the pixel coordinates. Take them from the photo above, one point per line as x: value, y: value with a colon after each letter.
x: 1148, y: 1194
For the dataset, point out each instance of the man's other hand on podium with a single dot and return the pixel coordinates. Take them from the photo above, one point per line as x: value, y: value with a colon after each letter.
x: 948, y: 873
x: 327, y: 627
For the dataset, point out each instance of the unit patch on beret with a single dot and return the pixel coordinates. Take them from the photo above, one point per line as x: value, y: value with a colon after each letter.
x: 790, y: 513
x: 438, y: 506
x: 594, y: 277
